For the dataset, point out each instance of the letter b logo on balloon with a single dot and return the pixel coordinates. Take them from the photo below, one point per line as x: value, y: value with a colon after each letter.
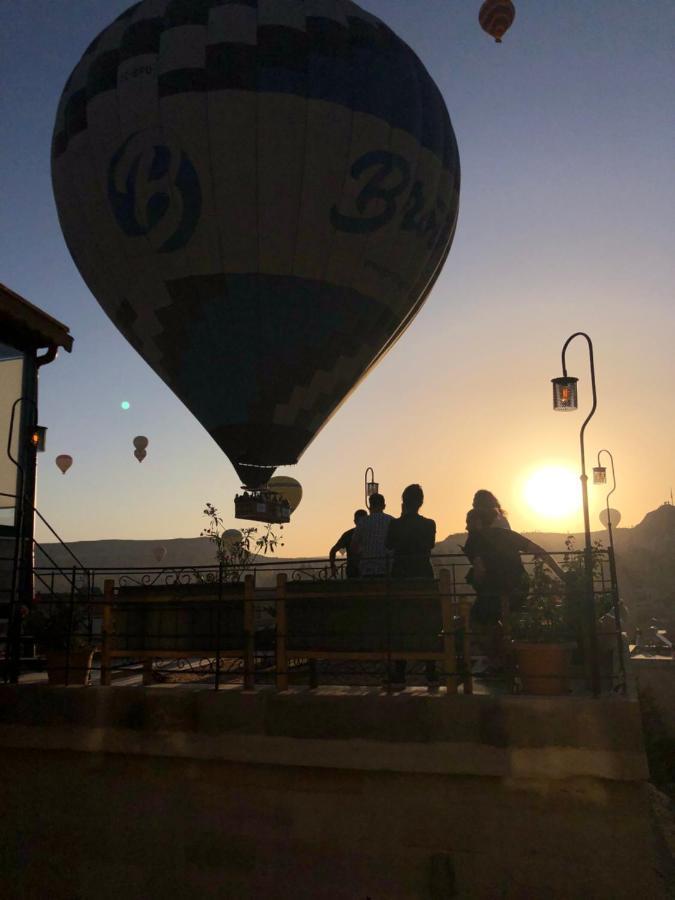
x: 154, y: 190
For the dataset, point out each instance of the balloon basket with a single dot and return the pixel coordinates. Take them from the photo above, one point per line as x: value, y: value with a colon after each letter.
x: 259, y: 506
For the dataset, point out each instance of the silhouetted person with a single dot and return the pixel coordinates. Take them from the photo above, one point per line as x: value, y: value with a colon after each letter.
x: 497, y: 574
x: 483, y: 501
x: 370, y: 539
x: 412, y: 538
x: 344, y: 542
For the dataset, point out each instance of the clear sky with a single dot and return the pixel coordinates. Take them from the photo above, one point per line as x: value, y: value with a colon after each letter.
x: 565, y: 134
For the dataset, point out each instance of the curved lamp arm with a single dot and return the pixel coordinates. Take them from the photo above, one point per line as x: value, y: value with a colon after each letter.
x: 595, y: 396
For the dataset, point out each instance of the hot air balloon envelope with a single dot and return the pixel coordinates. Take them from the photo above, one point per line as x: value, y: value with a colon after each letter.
x: 260, y: 196
x: 159, y: 553
x: 614, y: 515
x: 140, y: 442
x: 496, y: 17
x: 64, y: 462
x: 231, y: 537
x: 288, y: 488
x: 140, y: 454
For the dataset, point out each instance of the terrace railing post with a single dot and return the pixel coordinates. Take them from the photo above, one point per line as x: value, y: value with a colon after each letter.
x: 249, y: 632
x: 218, y: 623
x: 448, y: 620
x: 106, y: 629
x: 71, y: 617
x: 281, y: 663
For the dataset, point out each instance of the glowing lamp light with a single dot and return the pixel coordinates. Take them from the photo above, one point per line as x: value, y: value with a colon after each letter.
x: 599, y: 475
x: 564, y: 393
x: 125, y: 404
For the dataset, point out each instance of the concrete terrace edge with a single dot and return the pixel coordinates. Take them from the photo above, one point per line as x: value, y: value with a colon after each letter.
x: 504, y: 737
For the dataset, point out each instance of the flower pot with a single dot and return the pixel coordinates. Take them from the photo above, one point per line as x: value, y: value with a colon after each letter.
x: 543, y: 668
x: 77, y: 666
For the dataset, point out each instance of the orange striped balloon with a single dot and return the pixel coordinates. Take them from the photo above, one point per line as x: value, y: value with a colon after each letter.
x: 496, y: 17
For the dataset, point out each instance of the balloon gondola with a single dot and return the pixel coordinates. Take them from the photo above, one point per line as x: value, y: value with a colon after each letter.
x: 496, y: 17
x: 260, y: 197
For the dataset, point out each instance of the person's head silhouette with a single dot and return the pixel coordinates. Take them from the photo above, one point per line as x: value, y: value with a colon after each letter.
x: 376, y: 503
x: 412, y: 498
x: 359, y: 515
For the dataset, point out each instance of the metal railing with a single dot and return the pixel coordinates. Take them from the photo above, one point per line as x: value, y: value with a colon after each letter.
x: 222, y: 625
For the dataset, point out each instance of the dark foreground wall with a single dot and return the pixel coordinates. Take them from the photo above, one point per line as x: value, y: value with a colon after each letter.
x: 166, y: 792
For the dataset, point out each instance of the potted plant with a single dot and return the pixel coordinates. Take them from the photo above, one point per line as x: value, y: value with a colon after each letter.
x: 543, y: 636
x: 60, y: 631
x: 550, y: 624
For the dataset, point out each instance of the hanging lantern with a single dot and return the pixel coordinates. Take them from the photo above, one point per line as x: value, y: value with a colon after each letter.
x: 599, y: 475
x: 496, y: 17
x: 564, y: 393
x: 371, y: 486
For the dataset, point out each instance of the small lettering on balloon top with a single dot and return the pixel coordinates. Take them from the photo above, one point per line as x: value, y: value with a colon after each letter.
x: 386, y: 194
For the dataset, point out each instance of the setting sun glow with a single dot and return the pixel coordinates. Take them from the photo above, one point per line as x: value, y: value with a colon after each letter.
x: 553, y: 492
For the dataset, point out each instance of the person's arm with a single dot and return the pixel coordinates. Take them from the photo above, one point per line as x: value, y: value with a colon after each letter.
x: 538, y: 551
x: 334, y: 550
x: 432, y: 534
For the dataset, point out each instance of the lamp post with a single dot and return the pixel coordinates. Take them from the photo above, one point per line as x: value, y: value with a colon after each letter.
x: 565, y: 399
x: 370, y: 486
x: 600, y: 477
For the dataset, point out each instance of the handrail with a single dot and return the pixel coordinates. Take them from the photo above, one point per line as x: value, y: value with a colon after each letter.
x: 45, y: 522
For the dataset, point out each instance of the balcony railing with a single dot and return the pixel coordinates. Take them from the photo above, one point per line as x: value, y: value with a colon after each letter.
x: 284, y: 623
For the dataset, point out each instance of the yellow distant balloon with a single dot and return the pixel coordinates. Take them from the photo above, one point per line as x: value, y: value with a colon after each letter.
x: 231, y: 537
x: 288, y: 488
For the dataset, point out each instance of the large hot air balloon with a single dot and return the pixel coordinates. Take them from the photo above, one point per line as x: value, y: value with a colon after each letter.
x: 64, y: 462
x: 496, y: 17
x: 288, y: 488
x: 260, y: 196
x: 140, y: 442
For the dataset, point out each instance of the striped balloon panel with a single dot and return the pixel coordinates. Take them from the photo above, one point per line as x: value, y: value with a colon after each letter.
x: 260, y: 195
x: 496, y: 17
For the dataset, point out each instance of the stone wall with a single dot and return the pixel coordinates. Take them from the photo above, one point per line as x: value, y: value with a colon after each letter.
x: 167, y: 792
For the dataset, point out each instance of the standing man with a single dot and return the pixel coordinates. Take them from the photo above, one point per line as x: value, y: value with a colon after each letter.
x: 370, y: 540
x: 344, y: 542
x: 412, y: 537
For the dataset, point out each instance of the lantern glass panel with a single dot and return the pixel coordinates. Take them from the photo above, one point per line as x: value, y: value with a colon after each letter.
x: 564, y: 394
x: 599, y: 475
x: 372, y: 487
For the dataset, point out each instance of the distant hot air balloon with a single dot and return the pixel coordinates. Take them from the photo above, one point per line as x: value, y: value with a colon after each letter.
x: 496, y: 17
x: 231, y: 537
x: 260, y: 196
x: 288, y: 488
x: 64, y: 462
x: 159, y: 553
x: 140, y: 443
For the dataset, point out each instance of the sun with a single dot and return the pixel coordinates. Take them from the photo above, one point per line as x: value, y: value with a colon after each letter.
x: 553, y: 492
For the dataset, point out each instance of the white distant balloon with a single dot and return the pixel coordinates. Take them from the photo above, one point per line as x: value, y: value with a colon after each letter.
x: 231, y: 537
x: 615, y: 517
x: 159, y: 553
x: 64, y: 462
x: 288, y: 488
